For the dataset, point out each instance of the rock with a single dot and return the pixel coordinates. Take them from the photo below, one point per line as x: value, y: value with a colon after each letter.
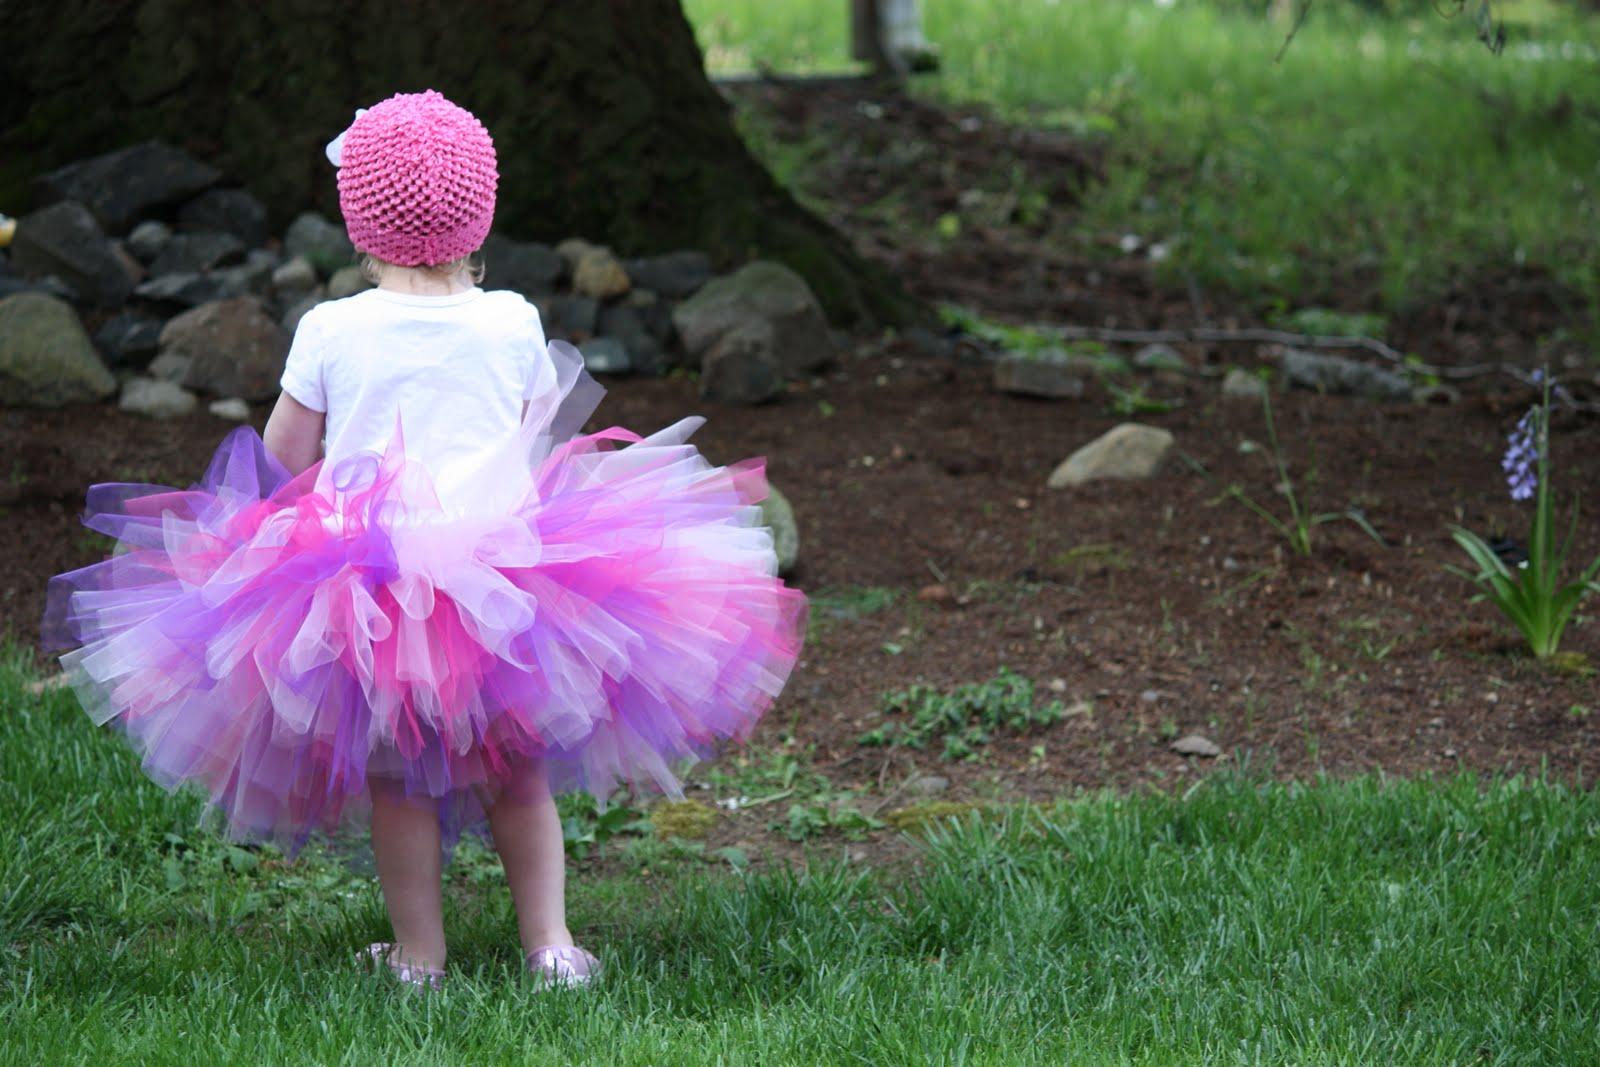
x: 1242, y: 385
x: 525, y: 267
x: 46, y: 358
x: 674, y: 275
x: 1195, y: 745
x: 347, y: 281
x: 295, y: 275
x: 148, y: 239
x: 184, y: 290
x: 928, y: 785
x: 322, y: 243
x: 234, y: 348
x: 924, y: 343
x: 742, y: 366
x: 121, y: 187
x: 605, y: 355
x: 600, y: 276
x: 1129, y: 451
x: 571, y: 250
x: 1335, y: 374
x: 232, y: 408
x: 1159, y: 357
x: 49, y: 285
x: 779, y: 515
x: 156, y: 398
x: 655, y: 314
x: 764, y: 293
x: 1436, y: 395
x: 169, y: 367
x: 645, y: 353
x: 297, y: 310
x: 64, y: 239
x: 1038, y: 376
x: 128, y: 339
x: 570, y: 316
x: 231, y: 211
x: 192, y: 253
x: 253, y: 277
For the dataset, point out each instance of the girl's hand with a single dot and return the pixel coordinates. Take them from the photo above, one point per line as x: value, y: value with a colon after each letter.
x: 294, y: 434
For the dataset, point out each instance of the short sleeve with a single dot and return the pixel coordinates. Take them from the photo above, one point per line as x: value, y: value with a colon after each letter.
x: 302, y: 372
x: 538, y: 374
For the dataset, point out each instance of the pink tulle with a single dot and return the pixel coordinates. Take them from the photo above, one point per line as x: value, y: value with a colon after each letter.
x: 280, y: 641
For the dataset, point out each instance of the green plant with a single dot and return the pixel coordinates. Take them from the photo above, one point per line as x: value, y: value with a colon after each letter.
x: 964, y: 718
x: 1298, y: 526
x: 1129, y: 401
x: 1532, y: 594
x: 585, y: 828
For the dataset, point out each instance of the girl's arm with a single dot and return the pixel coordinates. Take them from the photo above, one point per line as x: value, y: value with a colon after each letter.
x: 294, y: 434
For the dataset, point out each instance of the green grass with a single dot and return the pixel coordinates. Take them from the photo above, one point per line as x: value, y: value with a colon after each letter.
x: 1245, y: 922
x: 1380, y: 161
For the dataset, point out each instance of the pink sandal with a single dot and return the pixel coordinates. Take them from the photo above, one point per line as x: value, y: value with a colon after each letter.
x: 420, y: 977
x: 562, y: 964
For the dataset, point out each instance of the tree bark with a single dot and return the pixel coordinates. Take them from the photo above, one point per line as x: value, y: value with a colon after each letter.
x: 605, y: 123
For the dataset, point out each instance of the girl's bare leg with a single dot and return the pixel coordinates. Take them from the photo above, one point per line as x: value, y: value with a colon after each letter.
x: 406, y: 846
x: 527, y: 834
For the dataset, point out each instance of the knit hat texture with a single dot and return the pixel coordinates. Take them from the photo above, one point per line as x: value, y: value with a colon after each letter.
x: 417, y: 178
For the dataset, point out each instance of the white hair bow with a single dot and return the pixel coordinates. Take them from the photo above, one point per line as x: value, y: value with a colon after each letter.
x: 335, y: 149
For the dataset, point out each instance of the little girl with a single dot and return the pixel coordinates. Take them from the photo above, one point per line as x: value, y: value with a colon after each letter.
x: 422, y: 596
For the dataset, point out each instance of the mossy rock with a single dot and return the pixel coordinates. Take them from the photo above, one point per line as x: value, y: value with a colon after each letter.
x: 1574, y: 664
x: 682, y: 818
x: 921, y: 816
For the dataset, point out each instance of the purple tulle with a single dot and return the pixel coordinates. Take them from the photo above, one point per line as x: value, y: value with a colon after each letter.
x: 283, y: 641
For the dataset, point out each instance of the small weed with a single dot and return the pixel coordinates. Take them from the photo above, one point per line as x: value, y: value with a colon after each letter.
x: 963, y: 719
x: 1081, y: 558
x: 585, y: 828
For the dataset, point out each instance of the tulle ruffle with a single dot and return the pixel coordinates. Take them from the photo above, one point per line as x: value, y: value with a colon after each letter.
x: 611, y: 611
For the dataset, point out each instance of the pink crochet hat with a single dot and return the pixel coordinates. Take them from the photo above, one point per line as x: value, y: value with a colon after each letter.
x: 417, y: 178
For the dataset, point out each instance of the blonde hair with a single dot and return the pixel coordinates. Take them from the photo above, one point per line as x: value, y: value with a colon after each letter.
x: 472, y: 264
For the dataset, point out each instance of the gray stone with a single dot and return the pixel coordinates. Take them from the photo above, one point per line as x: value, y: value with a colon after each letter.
x: 1336, y: 374
x: 297, y: 275
x: 924, y: 343
x: 324, y: 244
x: 156, y: 398
x: 297, y: 310
x: 148, y: 239
x: 742, y: 367
x: 347, y: 281
x: 1040, y: 375
x: 234, y: 211
x: 253, y: 277
x: 49, y: 285
x: 64, y: 239
x: 674, y: 275
x: 128, y: 339
x: 183, y: 290
x: 1242, y: 385
x: 232, y: 408
x: 779, y: 515
x: 606, y: 355
x: 1128, y: 452
x: 1195, y: 745
x: 656, y: 314
x: 169, y: 367
x: 572, y: 317
x: 764, y: 293
x: 626, y: 324
x: 928, y: 785
x: 599, y: 275
x: 234, y: 348
x: 192, y: 253
x: 121, y: 187
x: 46, y: 358
x: 1159, y: 357
x: 525, y: 267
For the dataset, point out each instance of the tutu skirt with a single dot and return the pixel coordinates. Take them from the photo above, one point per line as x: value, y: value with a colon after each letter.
x: 612, y: 612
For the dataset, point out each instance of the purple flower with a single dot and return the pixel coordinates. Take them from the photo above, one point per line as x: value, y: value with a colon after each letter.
x: 1521, y: 462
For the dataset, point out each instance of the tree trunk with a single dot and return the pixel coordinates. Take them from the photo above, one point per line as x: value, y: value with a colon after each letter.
x: 605, y: 123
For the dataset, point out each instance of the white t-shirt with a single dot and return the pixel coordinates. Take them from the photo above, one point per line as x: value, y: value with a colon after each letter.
x: 456, y: 369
